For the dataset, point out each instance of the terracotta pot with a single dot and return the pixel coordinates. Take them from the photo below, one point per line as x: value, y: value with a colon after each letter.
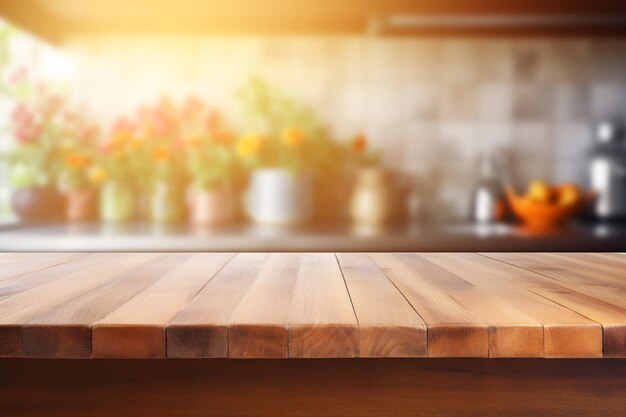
x: 330, y: 199
x: 370, y: 201
x: 211, y: 206
x: 81, y: 204
x: 37, y: 204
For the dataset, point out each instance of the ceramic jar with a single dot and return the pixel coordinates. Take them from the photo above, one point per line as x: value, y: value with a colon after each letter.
x: 117, y: 202
x: 369, y: 203
x: 167, y: 202
x: 207, y: 207
x: 279, y: 196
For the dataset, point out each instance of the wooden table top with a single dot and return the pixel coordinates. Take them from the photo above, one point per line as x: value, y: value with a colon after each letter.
x: 312, y: 305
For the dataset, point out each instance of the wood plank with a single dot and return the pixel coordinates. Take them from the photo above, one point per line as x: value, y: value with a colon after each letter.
x: 200, y: 330
x: 259, y: 326
x: 136, y: 329
x: 319, y: 388
x: 567, y: 334
x: 64, y: 331
x: 511, y: 333
x: 453, y: 331
x: 29, y: 272
x: 17, y: 264
x: 388, y: 324
x: 611, y: 317
x: 322, y: 322
x: 63, y: 282
x: 592, y: 280
x: 609, y: 273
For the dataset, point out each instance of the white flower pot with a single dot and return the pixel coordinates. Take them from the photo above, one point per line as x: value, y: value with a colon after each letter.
x: 278, y: 196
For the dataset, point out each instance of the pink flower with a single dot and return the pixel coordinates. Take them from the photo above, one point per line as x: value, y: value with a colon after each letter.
x: 107, y: 147
x: 89, y: 133
x: 19, y: 75
x: 123, y: 124
x: 179, y: 144
x: 28, y: 132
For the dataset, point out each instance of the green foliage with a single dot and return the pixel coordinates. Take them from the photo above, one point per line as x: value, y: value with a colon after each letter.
x: 211, y: 164
x: 292, y: 136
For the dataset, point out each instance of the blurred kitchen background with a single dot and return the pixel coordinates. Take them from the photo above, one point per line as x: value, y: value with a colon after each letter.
x: 372, y: 128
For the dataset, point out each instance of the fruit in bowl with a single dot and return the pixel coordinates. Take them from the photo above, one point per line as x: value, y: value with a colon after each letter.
x: 545, y: 206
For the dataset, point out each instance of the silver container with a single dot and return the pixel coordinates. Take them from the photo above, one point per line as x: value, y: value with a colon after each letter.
x: 607, y: 172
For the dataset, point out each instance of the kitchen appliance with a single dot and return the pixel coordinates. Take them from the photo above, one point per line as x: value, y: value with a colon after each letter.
x: 607, y: 172
x: 488, y: 203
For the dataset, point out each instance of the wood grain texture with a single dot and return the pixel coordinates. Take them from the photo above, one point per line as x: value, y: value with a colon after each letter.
x: 312, y: 305
x: 322, y: 322
x: 611, y: 317
x: 453, y: 330
x: 596, y: 280
x: 137, y: 328
x: 512, y: 332
x: 16, y: 264
x: 313, y: 388
x: 200, y: 330
x: 59, y: 325
x: 566, y: 334
x: 25, y: 273
x: 389, y: 326
x: 59, y: 284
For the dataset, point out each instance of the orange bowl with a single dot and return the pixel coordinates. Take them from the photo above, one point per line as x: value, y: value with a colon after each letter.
x: 539, y: 215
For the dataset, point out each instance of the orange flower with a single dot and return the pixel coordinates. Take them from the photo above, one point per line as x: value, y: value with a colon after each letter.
x: 359, y: 143
x: 293, y: 137
x: 161, y: 154
x: 77, y: 161
x: 223, y: 137
x: 193, y: 141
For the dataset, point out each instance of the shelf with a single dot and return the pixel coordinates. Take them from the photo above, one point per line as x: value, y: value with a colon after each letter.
x: 461, y: 237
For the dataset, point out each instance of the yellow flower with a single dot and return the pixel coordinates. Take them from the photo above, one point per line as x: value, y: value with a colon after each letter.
x: 161, y: 154
x: 293, y: 137
x: 136, y: 142
x: 97, y: 175
x: 249, y: 145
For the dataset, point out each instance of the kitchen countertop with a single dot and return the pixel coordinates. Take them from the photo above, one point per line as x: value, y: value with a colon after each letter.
x: 92, y: 237
x: 314, y: 305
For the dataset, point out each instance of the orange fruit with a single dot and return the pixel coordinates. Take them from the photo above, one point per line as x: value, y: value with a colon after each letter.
x: 540, y: 192
x: 569, y: 194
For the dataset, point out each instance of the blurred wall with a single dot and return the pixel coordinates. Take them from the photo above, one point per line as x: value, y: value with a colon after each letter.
x: 432, y: 105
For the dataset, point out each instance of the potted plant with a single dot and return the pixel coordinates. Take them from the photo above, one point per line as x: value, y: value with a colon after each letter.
x: 36, y: 157
x: 78, y: 158
x: 161, y: 126
x: 281, y: 153
x: 167, y: 189
x: 212, y: 168
x: 115, y: 175
x: 370, y: 202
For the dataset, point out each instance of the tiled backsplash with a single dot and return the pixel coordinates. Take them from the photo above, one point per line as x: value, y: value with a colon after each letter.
x: 432, y: 105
